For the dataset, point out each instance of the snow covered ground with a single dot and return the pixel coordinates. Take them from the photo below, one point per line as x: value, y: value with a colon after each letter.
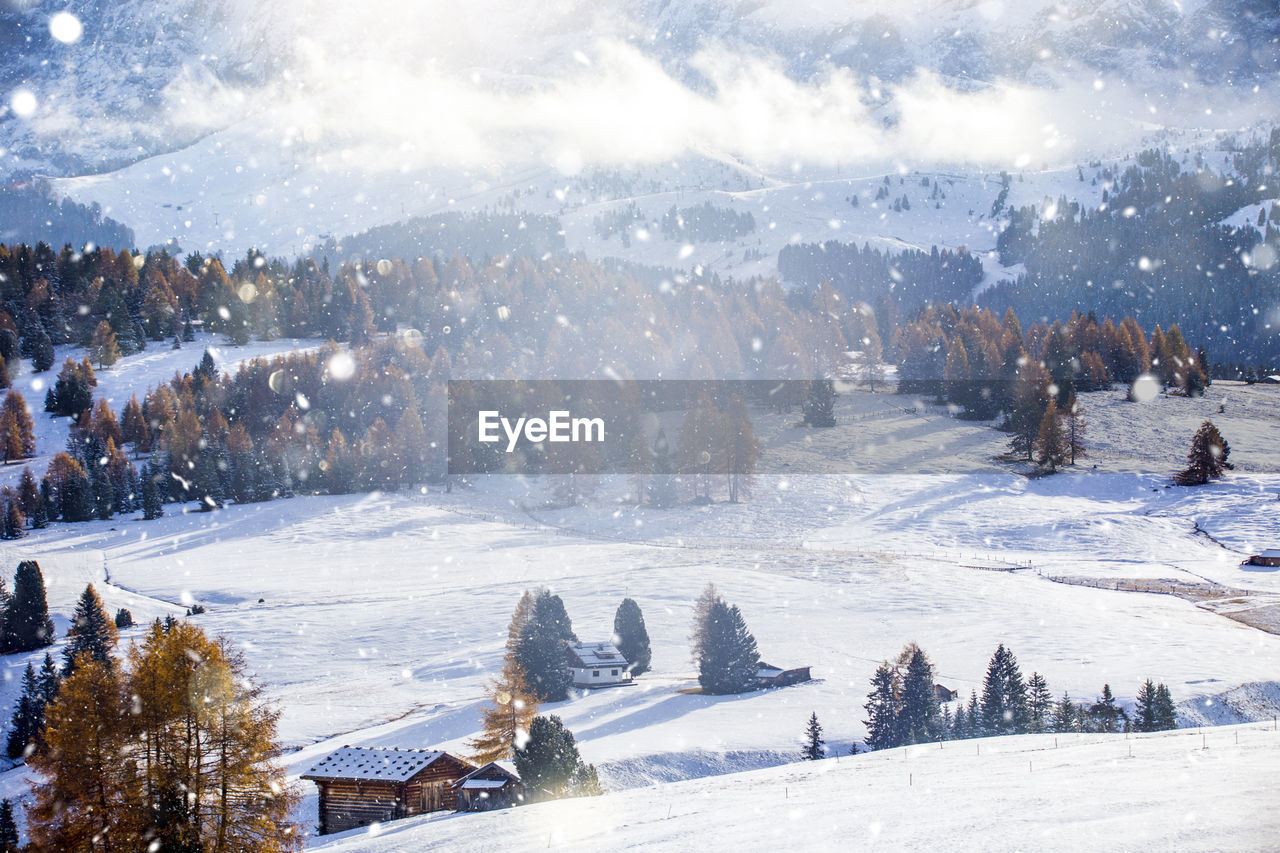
x: 377, y: 619
x: 1167, y: 791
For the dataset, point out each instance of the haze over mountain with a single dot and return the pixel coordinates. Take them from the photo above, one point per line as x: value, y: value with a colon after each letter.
x: 404, y: 85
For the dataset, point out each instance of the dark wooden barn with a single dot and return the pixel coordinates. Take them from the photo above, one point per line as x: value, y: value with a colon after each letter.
x: 490, y: 787
x: 772, y: 676
x: 360, y: 785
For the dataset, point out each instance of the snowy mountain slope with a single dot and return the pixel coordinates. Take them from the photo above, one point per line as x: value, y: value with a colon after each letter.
x: 1032, y: 792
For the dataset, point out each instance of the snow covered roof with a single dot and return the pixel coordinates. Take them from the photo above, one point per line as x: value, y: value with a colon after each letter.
x: 768, y: 672
x: 1271, y: 553
x: 358, y: 762
x: 597, y: 654
x: 495, y: 774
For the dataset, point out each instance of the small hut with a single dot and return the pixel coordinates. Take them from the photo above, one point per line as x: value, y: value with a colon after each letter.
x: 1269, y: 558
x: 490, y: 787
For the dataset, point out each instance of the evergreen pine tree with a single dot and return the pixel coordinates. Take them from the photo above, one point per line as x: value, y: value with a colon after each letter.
x: 92, y: 633
x: 819, y: 405
x: 1105, y: 713
x: 8, y: 828
x: 882, y: 707
x: 27, y: 625
x: 1064, y: 715
x: 28, y: 716
x: 1004, y: 695
x: 918, y: 718
x: 152, y: 503
x: 549, y: 763
x: 1166, y: 715
x: 541, y: 651
x: 631, y: 636
x: 701, y: 613
x: 50, y: 679
x: 960, y: 724
x: 1039, y: 703
x: 814, y: 746
x: 729, y: 661
x: 1144, y: 712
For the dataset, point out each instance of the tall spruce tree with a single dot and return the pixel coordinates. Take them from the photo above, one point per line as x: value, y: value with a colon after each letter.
x: 701, y: 612
x: 729, y: 660
x: 28, y: 717
x: 1039, y: 703
x: 1064, y: 715
x: 541, y: 652
x: 884, y: 730
x: 632, y: 637
x: 815, y: 748
x: 820, y: 404
x: 960, y: 723
x: 918, y: 719
x: 549, y: 763
x: 1166, y: 715
x: 1144, y: 712
x: 27, y: 624
x: 1004, y: 695
x: 92, y: 633
x: 8, y: 828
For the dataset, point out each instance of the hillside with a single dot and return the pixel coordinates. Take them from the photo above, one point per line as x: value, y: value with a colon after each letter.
x: 1148, y: 792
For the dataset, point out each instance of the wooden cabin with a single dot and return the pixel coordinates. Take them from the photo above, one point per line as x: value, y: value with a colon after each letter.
x: 487, y: 788
x: 772, y: 676
x: 597, y: 665
x: 361, y: 785
x: 943, y: 694
x: 1269, y: 557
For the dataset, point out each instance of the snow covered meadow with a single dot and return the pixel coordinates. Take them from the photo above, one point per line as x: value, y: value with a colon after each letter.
x: 377, y: 619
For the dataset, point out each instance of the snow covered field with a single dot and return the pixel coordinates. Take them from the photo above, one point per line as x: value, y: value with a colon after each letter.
x: 377, y: 619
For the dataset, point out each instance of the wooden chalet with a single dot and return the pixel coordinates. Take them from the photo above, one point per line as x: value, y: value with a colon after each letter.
x: 1269, y: 557
x: 487, y: 788
x: 772, y: 676
x: 943, y: 694
x: 361, y: 785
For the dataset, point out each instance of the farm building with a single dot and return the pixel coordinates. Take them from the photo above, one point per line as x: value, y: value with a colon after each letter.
x: 943, y: 694
x: 490, y: 787
x: 360, y: 785
x: 772, y: 676
x: 1269, y: 557
x: 598, y: 665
